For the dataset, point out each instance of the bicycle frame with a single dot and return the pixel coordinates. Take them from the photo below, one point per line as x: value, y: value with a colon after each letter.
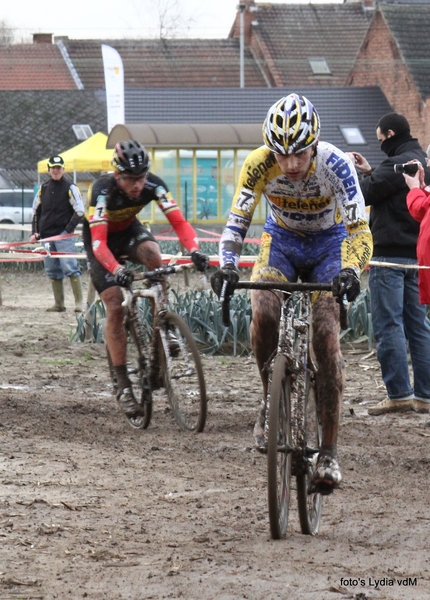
x: 154, y: 289
x: 168, y: 354
x: 294, y: 344
x: 291, y: 402
x: 155, y: 292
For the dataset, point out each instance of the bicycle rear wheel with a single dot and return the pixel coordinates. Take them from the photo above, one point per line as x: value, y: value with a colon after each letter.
x: 138, y: 374
x: 310, y: 505
x: 278, y: 449
x: 183, y: 374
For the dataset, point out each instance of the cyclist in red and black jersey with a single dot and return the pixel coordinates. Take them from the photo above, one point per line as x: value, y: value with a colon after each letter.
x: 111, y: 231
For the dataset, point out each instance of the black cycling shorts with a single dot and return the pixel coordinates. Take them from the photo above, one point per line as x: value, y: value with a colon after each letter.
x: 122, y: 244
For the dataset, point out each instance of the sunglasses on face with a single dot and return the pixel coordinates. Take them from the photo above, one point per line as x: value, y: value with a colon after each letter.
x: 132, y: 179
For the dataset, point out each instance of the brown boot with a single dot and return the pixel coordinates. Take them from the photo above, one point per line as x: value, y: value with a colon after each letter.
x: 58, y: 289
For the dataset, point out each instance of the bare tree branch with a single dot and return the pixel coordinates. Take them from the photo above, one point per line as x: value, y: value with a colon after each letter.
x: 7, y: 32
x: 166, y: 17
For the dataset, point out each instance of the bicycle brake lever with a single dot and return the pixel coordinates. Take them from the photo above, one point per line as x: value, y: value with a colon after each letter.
x: 343, y: 312
x: 225, y: 305
x: 202, y: 281
x: 223, y: 291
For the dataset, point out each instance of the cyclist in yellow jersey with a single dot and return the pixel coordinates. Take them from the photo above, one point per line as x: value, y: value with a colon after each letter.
x: 316, y: 230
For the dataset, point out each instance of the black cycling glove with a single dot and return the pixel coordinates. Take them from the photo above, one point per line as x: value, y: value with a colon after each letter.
x: 227, y: 273
x: 347, y: 282
x: 124, y: 277
x: 200, y: 260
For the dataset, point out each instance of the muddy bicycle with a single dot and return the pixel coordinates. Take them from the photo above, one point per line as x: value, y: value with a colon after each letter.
x: 162, y: 353
x: 293, y: 426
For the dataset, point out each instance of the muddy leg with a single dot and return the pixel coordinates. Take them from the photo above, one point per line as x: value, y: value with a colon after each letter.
x: 331, y: 369
x: 148, y: 253
x: 264, y: 329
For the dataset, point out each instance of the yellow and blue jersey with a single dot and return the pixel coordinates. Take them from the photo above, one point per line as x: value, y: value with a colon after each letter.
x: 329, y: 197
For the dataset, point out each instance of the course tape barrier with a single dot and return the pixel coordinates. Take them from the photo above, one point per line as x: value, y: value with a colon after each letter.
x: 39, y: 253
x: 377, y: 263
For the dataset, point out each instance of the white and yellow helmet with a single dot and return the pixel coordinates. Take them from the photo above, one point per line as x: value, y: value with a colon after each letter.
x: 292, y: 125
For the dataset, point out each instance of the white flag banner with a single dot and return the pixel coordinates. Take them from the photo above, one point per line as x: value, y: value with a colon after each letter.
x: 114, y: 81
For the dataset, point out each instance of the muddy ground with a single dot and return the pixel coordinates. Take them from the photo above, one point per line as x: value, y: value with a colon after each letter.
x: 90, y: 508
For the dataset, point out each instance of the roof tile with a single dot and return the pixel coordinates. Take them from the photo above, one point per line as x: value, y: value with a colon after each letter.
x: 410, y: 28
x: 290, y: 34
x: 167, y: 63
x: 34, y: 67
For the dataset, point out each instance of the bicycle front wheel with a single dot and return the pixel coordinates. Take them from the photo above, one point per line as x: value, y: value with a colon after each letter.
x: 183, y: 374
x: 279, y: 449
x: 310, y: 505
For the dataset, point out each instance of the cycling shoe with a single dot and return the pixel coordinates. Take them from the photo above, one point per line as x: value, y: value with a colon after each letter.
x: 326, y: 477
x: 129, y: 404
x: 260, y: 435
x: 173, y: 342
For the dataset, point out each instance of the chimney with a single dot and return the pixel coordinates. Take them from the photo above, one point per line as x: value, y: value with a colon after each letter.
x: 42, y: 38
x: 247, y: 8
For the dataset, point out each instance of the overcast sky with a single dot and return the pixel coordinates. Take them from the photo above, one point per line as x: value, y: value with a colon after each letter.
x: 111, y: 19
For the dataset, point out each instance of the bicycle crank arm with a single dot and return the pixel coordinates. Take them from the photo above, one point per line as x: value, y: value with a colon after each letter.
x: 311, y: 451
x: 285, y: 449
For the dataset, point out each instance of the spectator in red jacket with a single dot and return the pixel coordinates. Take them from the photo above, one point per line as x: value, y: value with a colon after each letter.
x: 418, y: 200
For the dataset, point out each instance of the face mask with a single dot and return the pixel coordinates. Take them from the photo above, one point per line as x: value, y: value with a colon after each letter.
x: 388, y: 145
x: 391, y: 145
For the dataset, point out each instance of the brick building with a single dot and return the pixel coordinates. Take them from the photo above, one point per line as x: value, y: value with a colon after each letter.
x: 395, y: 55
x: 354, y: 44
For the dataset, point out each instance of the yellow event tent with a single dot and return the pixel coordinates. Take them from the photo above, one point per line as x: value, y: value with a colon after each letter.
x: 90, y: 155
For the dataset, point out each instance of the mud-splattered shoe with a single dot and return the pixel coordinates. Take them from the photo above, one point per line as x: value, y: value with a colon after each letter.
x: 128, y: 403
x: 173, y: 342
x: 327, y: 476
x: 260, y: 437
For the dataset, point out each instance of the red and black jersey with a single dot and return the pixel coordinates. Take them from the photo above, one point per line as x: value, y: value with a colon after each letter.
x: 110, y: 210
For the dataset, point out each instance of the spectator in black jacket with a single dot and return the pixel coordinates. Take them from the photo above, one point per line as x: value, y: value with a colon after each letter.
x: 398, y: 318
x: 57, y: 210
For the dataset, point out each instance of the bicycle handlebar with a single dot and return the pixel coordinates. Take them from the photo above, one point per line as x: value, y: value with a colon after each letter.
x: 162, y: 271
x: 283, y: 287
x: 287, y: 286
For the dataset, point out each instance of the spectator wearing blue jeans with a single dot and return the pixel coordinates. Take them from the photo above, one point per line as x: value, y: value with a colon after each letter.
x: 399, y: 320
x: 57, y: 210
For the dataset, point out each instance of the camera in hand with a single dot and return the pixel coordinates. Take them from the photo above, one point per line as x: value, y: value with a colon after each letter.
x: 408, y: 168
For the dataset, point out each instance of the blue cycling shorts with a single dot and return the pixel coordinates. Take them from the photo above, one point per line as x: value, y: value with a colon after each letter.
x: 286, y: 255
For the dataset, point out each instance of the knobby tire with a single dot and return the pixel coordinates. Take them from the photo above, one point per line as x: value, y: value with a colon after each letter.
x: 183, y: 375
x: 137, y: 352
x: 279, y: 440
x: 310, y: 505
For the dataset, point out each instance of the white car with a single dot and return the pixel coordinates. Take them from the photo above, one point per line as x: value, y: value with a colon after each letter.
x: 16, y: 208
